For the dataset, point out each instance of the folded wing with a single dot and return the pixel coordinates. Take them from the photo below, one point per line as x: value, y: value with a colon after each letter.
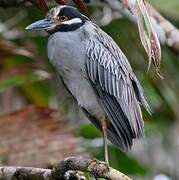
x: 119, y: 91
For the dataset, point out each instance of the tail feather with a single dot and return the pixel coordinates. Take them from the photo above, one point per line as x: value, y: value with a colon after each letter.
x: 112, y: 134
x: 123, y: 127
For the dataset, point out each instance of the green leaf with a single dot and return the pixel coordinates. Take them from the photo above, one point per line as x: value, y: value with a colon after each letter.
x: 38, y: 93
x: 88, y: 131
x: 20, y: 79
x: 10, y: 82
x: 126, y: 164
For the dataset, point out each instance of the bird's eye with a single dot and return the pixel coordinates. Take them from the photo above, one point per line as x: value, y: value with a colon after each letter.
x: 63, y: 18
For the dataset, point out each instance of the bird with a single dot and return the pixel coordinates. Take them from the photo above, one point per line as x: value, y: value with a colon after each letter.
x: 97, y: 74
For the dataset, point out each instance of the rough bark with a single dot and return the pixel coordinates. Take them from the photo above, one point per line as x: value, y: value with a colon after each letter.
x: 69, y: 167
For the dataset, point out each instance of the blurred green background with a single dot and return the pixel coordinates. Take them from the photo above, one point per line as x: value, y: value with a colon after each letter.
x: 26, y: 77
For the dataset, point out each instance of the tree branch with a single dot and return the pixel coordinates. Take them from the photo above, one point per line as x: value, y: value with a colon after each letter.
x: 69, y: 167
x: 167, y: 33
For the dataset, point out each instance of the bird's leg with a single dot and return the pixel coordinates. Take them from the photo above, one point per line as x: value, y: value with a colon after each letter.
x: 104, y: 131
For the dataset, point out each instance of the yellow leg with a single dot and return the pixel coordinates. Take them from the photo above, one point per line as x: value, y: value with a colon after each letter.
x: 104, y: 131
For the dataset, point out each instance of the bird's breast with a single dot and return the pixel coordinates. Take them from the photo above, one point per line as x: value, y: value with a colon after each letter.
x: 66, y: 52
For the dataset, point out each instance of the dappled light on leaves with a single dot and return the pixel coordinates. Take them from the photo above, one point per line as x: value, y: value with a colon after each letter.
x: 8, y: 48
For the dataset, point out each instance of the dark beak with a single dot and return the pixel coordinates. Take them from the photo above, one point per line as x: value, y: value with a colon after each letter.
x: 46, y: 24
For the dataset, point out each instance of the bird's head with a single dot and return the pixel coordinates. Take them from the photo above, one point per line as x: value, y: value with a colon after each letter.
x: 60, y: 18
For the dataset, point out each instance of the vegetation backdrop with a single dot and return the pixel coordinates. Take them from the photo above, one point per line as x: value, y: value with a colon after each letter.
x: 30, y: 92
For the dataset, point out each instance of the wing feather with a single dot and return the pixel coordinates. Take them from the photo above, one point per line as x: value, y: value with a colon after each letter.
x: 109, y: 70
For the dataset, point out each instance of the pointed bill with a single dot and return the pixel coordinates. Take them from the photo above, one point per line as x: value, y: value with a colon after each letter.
x: 41, y: 24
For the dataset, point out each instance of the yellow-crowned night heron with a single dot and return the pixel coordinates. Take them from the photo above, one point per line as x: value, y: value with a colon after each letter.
x: 97, y: 74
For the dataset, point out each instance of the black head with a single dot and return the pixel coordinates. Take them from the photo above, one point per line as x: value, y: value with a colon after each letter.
x: 61, y: 18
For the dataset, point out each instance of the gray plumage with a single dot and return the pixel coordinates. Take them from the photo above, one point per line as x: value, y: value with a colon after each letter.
x: 98, y: 75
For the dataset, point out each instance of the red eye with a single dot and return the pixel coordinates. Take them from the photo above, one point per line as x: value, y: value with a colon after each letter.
x: 63, y: 18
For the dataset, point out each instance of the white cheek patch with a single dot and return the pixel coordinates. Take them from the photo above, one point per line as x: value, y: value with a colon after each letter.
x: 73, y: 21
